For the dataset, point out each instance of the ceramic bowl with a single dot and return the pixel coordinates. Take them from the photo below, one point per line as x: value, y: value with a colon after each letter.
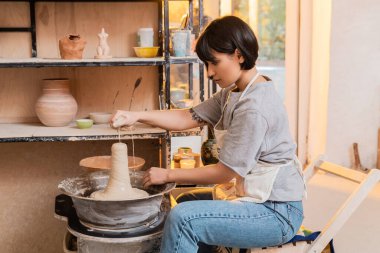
x: 104, y: 162
x: 84, y: 123
x: 146, y: 52
x: 101, y: 117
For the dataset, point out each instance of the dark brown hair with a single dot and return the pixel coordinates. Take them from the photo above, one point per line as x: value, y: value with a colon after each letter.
x: 225, y: 35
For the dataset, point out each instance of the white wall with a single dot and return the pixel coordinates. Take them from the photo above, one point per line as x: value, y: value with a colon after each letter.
x: 350, y: 114
x: 354, y: 91
x: 319, y: 76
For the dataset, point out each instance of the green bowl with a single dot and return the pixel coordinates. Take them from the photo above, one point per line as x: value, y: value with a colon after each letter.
x: 84, y: 123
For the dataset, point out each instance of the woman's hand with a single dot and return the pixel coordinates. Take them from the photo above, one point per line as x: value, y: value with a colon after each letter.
x: 155, y: 176
x: 123, y: 118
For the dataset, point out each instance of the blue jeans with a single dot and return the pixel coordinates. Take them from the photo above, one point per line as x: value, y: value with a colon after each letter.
x: 230, y: 223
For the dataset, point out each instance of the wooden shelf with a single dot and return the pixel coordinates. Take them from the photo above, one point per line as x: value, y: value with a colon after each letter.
x: 183, y: 60
x: 32, y: 132
x: 130, y: 61
x: 41, y: 62
x: 35, y: 132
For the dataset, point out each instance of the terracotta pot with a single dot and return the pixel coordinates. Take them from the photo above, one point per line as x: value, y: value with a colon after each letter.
x: 71, y: 47
x: 56, y: 106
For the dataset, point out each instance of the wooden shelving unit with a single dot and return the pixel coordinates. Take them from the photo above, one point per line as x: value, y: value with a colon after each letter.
x: 36, y: 132
x: 37, y: 157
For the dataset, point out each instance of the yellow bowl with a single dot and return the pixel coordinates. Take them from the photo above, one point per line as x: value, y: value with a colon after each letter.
x: 146, y: 52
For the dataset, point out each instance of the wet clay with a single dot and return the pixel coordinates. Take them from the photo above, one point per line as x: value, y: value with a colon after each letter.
x: 119, y: 184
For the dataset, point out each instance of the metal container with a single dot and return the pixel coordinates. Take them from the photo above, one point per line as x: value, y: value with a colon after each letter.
x: 113, y: 215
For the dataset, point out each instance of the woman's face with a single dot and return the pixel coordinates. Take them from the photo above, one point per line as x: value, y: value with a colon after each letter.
x: 226, y: 69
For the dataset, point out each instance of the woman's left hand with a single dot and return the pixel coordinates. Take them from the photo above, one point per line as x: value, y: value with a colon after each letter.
x: 155, y: 176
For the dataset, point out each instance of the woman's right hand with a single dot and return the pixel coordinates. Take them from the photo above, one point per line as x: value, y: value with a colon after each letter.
x: 123, y: 118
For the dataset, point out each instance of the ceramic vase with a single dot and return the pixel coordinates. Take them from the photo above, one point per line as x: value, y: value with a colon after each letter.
x: 71, y: 47
x: 209, y: 152
x: 56, y: 106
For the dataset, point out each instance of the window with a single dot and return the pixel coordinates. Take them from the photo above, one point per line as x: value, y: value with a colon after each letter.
x: 276, y: 24
x: 267, y: 19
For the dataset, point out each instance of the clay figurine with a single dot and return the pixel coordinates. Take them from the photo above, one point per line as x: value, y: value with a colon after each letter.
x: 103, y: 50
x: 71, y: 47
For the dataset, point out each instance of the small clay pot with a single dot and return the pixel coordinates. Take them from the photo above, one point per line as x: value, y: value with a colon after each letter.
x: 71, y: 47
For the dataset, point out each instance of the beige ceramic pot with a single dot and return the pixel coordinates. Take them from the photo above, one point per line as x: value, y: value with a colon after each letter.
x: 56, y: 106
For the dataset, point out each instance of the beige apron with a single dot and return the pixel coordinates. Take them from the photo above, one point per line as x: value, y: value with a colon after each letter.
x: 219, y: 134
x: 258, y: 184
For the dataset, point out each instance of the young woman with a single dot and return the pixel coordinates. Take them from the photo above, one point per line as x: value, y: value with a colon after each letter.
x: 255, y: 148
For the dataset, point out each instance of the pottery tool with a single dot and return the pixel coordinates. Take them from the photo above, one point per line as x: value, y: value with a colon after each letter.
x: 118, y: 122
x: 137, y: 84
x: 133, y: 149
x: 357, y: 163
x: 134, y: 161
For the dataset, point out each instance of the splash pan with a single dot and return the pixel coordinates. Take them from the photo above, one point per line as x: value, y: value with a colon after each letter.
x: 113, y: 214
